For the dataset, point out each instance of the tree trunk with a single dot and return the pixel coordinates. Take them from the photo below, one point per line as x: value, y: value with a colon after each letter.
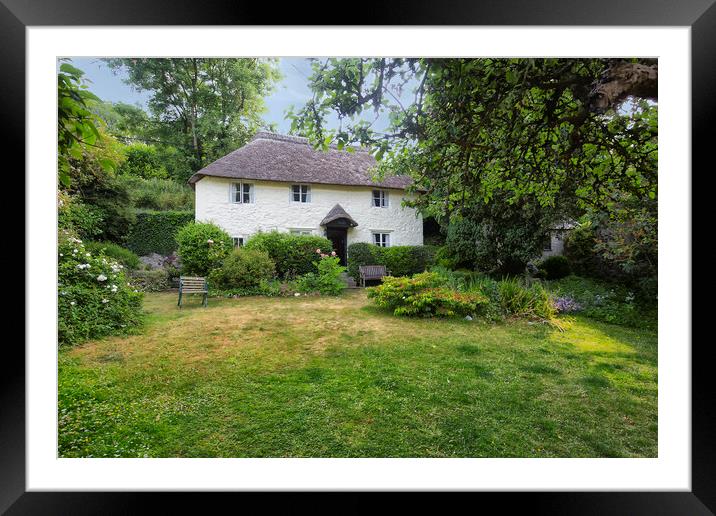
x: 623, y: 80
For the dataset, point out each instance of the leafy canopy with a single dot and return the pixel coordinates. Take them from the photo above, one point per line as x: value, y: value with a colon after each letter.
x: 469, y: 129
x: 76, y: 124
x: 203, y: 108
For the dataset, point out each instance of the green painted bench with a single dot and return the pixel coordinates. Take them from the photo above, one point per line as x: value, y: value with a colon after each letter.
x: 193, y: 285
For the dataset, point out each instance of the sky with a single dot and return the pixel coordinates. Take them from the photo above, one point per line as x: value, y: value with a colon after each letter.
x: 291, y: 90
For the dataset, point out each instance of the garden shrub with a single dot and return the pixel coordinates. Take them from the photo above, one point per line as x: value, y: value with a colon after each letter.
x: 155, y: 231
x: 555, y: 267
x: 95, y: 298
x: 327, y: 280
x: 203, y: 246
x: 159, y: 194
x: 363, y: 253
x: 154, y: 280
x: 294, y: 255
x: 519, y: 300
x: 119, y: 253
x: 425, y: 294
x: 83, y: 219
x: 402, y: 260
x: 406, y: 260
x: 607, y: 302
x: 243, y: 270
x: 508, y: 297
x: 579, y: 248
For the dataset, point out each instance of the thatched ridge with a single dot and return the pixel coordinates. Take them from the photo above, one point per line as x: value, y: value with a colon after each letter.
x: 276, y: 157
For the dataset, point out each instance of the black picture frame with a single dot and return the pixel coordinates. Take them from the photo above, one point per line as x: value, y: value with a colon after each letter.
x: 700, y: 15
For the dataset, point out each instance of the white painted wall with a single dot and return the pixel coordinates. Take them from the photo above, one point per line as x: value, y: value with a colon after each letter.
x: 557, y: 238
x: 272, y: 209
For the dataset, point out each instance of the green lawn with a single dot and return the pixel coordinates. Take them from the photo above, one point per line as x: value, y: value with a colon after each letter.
x: 336, y: 377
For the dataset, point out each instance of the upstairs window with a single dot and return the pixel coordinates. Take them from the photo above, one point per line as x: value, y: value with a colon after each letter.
x: 381, y: 239
x: 301, y: 193
x: 242, y: 193
x: 301, y: 231
x: 380, y: 199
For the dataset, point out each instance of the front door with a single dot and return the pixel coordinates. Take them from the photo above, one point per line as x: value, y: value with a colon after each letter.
x: 339, y: 239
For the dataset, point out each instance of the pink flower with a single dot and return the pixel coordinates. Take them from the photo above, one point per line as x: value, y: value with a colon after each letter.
x: 333, y: 253
x: 318, y: 251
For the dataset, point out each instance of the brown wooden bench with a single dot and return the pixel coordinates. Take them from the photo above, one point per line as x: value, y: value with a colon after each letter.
x: 372, y: 272
x: 193, y: 285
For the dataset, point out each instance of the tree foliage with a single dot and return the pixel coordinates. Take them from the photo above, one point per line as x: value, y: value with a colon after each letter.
x: 535, y: 129
x: 203, y: 108
x: 142, y: 160
x: 76, y: 124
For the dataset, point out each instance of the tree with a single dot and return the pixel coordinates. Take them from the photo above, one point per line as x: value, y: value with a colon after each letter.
x: 203, y: 107
x: 498, y: 237
x: 539, y: 129
x: 142, y: 161
x: 76, y: 124
x: 95, y: 186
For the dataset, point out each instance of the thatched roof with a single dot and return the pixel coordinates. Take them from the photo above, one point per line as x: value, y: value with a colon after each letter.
x: 276, y: 157
x: 337, y: 212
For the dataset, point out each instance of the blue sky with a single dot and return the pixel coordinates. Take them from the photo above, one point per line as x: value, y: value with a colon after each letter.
x: 291, y: 90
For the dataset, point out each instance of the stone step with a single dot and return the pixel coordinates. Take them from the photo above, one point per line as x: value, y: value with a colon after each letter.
x: 349, y: 281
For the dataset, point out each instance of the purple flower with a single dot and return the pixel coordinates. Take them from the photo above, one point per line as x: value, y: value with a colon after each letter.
x: 567, y: 304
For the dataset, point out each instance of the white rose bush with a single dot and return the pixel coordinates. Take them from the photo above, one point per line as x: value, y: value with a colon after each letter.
x: 95, y: 297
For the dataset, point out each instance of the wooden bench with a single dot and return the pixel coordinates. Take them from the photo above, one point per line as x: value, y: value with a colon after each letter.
x: 372, y: 272
x: 193, y: 285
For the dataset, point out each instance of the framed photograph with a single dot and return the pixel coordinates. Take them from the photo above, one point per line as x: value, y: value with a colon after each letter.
x: 425, y: 250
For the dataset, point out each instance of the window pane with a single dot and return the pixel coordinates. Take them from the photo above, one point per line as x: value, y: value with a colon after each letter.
x: 376, y: 238
x: 385, y: 200
x: 236, y: 192
x: 247, y: 193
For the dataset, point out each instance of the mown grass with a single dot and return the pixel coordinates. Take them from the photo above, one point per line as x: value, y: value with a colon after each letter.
x: 337, y: 377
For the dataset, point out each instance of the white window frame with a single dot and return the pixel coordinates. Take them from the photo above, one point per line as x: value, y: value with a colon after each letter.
x: 301, y: 231
x: 239, y: 241
x: 234, y: 190
x: 301, y: 193
x: 383, y: 238
x: 383, y: 198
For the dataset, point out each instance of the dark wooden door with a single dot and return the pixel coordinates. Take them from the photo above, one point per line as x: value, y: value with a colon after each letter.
x: 339, y: 239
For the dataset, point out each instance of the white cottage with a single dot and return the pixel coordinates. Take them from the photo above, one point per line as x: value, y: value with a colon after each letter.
x: 281, y: 183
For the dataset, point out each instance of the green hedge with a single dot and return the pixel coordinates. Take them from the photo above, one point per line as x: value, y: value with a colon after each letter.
x: 154, y: 231
x: 119, y: 253
x: 401, y: 260
x: 293, y: 255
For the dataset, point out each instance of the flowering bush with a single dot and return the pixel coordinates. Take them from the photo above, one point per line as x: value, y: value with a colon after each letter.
x: 202, y: 247
x: 608, y: 302
x: 94, y: 296
x: 425, y: 294
x: 328, y: 279
x: 566, y: 304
